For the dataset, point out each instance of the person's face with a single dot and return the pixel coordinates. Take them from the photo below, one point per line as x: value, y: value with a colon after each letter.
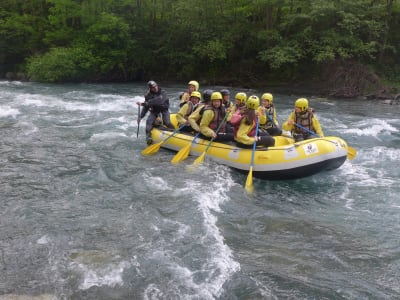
x: 154, y: 89
x: 192, y: 88
x: 194, y: 100
x: 216, y: 103
x: 297, y: 110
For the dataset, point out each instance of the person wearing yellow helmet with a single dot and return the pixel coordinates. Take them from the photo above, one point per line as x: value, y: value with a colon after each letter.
x: 213, y: 121
x: 302, y: 122
x: 193, y: 85
x: 195, y: 117
x: 238, y: 108
x: 184, y: 112
x: 245, y: 130
x: 271, y: 125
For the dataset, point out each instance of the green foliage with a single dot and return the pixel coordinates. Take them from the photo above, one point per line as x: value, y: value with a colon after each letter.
x: 279, y: 56
x: 62, y: 65
x: 109, y: 41
x: 117, y: 39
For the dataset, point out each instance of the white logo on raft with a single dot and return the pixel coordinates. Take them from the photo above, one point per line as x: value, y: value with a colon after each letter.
x: 310, y: 148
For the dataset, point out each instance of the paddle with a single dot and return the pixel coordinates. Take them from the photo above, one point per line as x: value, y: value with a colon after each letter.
x: 200, y: 159
x: 184, y: 152
x: 138, y: 122
x: 351, y: 152
x: 249, y: 181
x: 155, y: 147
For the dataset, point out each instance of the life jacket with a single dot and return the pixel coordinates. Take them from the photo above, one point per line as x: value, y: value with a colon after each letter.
x: 219, y: 114
x: 192, y: 107
x: 237, y: 120
x: 269, y: 112
x: 201, y: 114
x: 304, y: 120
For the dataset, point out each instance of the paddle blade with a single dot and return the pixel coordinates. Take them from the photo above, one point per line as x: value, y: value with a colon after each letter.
x: 351, y: 152
x: 249, y: 181
x: 199, y: 160
x: 181, y: 155
x: 152, y: 149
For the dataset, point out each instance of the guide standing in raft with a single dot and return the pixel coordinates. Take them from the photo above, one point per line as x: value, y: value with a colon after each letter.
x: 157, y: 102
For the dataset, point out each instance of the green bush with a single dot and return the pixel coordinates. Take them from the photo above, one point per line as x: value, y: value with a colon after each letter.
x: 61, y: 65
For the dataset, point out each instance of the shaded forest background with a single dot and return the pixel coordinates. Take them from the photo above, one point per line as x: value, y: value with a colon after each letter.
x: 343, y: 48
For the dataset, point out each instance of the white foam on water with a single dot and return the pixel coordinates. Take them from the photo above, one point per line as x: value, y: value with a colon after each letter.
x: 371, y: 127
x: 383, y: 154
x: 156, y: 182
x: 220, y: 265
x: 106, y: 136
x: 44, y: 240
x: 109, y: 275
x: 7, y: 111
x: 98, y: 268
x: 103, y: 102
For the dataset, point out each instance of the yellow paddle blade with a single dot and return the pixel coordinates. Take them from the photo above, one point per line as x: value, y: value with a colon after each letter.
x: 199, y: 160
x: 181, y: 155
x: 249, y: 181
x: 351, y: 152
x: 152, y: 149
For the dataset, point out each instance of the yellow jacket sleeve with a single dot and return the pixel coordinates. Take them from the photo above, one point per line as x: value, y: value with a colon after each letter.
x: 317, y: 126
x: 180, y: 115
x: 242, y: 134
x: 286, y: 126
x: 194, y: 117
x: 185, y: 98
x: 207, y: 118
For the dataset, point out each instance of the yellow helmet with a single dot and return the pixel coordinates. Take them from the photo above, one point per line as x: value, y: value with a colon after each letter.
x: 253, y: 102
x: 267, y: 96
x: 195, y: 84
x: 216, y: 96
x: 301, y: 103
x: 195, y: 94
x: 242, y: 97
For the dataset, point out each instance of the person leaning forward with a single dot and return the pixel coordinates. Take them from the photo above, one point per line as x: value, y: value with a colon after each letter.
x: 212, y: 124
x: 156, y: 102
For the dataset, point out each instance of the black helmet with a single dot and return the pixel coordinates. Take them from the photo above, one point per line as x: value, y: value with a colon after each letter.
x: 151, y: 84
x: 225, y: 92
x: 207, y: 95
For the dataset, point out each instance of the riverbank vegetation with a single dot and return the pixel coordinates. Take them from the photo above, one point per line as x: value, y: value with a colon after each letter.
x: 345, y: 48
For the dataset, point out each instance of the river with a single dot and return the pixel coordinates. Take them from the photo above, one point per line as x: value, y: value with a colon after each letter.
x: 85, y: 216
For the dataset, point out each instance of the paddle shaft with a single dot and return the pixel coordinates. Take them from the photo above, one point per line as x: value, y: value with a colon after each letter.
x: 173, y: 133
x: 351, y: 152
x: 216, y: 132
x: 306, y: 129
x: 138, y: 123
x: 254, y: 145
x: 249, y: 180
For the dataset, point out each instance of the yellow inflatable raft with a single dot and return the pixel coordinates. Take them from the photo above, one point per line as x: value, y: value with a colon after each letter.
x: 286, y: 160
